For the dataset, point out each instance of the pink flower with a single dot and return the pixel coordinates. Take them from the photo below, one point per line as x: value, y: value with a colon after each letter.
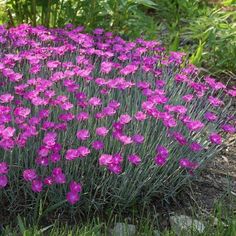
x: 97, y: 145
x: 75, y: 187
x: 30, y: 174
x: 44, y: 161
x: 108, y: 111
x: 195, y: 125
x: 229, y: 128
x: 94, y: 101
x: 8, y: 132
x: 196, y: 147
x: 125, y: 139
x: 82, y: 116
x: 215, y: 101
x: 140, y: 116
x: 180, y: 138
x: 116, y: 169
x: 117, y: 159
x: 188, y: 97
x: 102, y: 131
x: 22, y: 112
x: 83, y: 151
x: 5, y: 98
x: 72, y: 154
x: 55, y: 157
x: 105, y: 160
x: 184, y: 162
x: 125, y: 119
x: 114, y: 104
x: 59, y: 178
x: 215, y: 138
x: 210, y: 116
x: 72, y: 197
x: 160, y: 160
x: 162, y: 151
x: 134, y: 159
x: 37, y: 186
x: 48, y: 181
x: 137, y: 138
x: 106, y: 67
x: 3, y: 168
x: 83, y: 134
x: 3, y: 181
x: 50, y: 139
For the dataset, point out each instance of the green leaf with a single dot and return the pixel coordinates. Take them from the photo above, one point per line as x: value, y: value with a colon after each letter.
x: 147, y: 3
x: 196, y: 57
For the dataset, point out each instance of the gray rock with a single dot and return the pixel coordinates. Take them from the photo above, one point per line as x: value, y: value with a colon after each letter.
x: 185, y: 224
x: 123, y: 229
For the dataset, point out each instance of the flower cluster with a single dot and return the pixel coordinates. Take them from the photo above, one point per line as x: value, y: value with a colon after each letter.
x: 71, y: 98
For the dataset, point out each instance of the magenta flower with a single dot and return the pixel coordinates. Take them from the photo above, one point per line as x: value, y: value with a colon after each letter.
x: 55, y: 157
x: 140, y: 116
x: 83, y: 134
x: 188, y: 97
x: 82, y: 116
x: 117, y: 159
x: 50, y: 139
x: 125, y: 139
x: 179, y: 138
x: 215, y: 101
x: 75, y: 187
x: 72, y: 154
x: 72, y: 197
x: 8, y: 132
x: 210, y: 116
x: 134, y: 159
x: 229, y: 128
x: 196, y: 147
x: 162, y: 151
x: 215, y: 138
x: 43, y: 161
x: 125, y: 119
x: 160, y: 160
x: 6, y: 98
x: 105, y: 159
x: 102, y: 131
x: 116, y: 169
x: 3, y: 168
x: 59, y: 178
x: 94, y: 101
x: 137, y: 138
x: 30, y: 174
x: 48, y: 181
x: 184, y: 162
x: 37, y: 186
x: 3, y: 181
x: 22, y: 112
x: 114, y: 104
x: 83, y: 151
x: 195, y: 125
x: 97, y: 145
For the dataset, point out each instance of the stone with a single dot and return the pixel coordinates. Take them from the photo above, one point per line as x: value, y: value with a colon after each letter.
x: 123, y: 229
x: 185, y: 224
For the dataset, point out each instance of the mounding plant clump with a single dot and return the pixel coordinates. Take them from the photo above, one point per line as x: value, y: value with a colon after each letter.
x: 96, y: 121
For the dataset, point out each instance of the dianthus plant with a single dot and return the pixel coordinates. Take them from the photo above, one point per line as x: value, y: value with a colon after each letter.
x: 96, y: 120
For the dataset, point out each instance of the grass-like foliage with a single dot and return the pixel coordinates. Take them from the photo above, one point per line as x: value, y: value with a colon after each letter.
x: 96, y: 121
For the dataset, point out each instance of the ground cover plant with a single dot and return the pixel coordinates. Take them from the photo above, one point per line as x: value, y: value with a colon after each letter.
x: 94, y: 121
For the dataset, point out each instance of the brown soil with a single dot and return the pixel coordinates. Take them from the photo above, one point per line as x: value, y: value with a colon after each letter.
x: 218, y: 179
